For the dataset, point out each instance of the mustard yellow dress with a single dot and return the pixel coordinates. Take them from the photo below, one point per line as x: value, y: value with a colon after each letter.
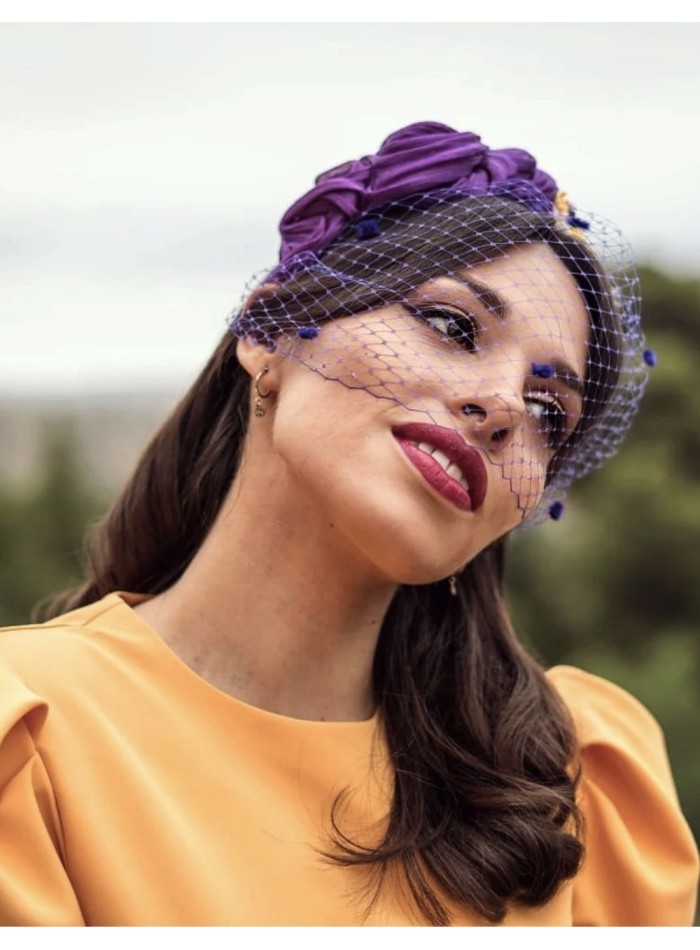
x: 132, y: 792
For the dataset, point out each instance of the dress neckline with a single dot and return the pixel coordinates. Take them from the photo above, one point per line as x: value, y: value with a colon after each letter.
x: 125, y: 601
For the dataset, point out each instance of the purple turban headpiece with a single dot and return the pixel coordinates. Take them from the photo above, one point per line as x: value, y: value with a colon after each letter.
x: 419, y: 158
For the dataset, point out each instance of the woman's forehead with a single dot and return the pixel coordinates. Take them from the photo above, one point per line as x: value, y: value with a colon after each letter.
x: 526, y: 274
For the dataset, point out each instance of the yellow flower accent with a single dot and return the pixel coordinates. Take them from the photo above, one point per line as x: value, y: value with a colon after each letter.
x: 563, y: 207
x: 562, y: 203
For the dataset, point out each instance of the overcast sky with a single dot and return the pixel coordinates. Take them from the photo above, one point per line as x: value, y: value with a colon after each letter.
x: 145, y: 166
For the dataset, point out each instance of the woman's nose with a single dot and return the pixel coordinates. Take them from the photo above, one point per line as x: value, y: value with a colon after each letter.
x: 492, y: 421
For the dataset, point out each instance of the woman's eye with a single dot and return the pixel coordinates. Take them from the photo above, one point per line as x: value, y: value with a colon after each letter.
x: 459, y: 327
x: 550, y: 418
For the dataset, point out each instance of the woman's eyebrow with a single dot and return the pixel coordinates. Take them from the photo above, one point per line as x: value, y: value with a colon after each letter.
x: 489, y: 298
x: 564, y: 372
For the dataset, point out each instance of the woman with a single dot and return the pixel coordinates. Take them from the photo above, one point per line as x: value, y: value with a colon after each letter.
x: 288, y: 692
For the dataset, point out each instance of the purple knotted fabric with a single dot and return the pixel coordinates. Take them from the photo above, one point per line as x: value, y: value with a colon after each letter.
x: 419, y: 158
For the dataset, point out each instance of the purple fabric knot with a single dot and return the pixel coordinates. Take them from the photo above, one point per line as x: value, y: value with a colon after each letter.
x: 422, y: 157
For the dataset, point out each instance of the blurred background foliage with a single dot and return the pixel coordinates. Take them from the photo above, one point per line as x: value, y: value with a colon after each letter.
x: 612, y: 587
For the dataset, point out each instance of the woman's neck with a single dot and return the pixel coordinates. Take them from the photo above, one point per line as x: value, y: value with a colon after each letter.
x: 276, y: 608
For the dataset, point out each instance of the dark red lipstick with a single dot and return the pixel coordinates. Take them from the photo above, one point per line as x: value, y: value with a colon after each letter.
x: 451, y: 444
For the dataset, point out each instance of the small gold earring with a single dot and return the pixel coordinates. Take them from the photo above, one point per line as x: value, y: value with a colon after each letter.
x: 260, y: 394
x: 453, y: 584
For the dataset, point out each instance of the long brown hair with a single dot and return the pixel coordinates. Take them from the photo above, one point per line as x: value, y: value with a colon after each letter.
x: 483, y: 812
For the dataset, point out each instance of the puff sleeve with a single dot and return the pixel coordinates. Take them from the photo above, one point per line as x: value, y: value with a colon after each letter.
x: 34, y: 886
x: 641, y: 863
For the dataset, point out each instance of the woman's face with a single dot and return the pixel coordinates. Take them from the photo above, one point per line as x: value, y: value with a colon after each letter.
x: 424, y: 432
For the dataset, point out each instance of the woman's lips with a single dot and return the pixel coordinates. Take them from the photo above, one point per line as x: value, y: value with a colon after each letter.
x: 451, y: 445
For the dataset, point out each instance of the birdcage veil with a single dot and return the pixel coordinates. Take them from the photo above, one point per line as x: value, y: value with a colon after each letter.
x: 398, y: 251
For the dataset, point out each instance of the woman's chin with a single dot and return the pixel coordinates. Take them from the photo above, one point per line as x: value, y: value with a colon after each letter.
x: 417, y: 568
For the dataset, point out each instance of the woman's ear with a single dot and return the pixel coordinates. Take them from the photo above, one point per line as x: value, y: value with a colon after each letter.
x: 253, y: 355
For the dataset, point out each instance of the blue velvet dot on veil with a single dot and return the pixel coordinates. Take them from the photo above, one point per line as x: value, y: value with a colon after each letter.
x: 556, y: 510
x: 307, y: 333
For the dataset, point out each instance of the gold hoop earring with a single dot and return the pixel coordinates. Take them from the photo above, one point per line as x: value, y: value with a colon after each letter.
x: 260, y: 394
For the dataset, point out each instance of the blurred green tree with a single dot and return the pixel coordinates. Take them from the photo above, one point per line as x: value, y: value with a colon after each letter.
x: 614, y: 586
x: 42, y: 527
